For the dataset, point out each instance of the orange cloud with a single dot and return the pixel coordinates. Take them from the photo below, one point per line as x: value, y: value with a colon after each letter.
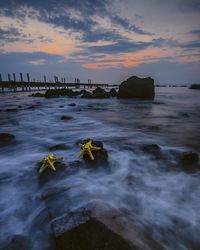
x: 126, y: 60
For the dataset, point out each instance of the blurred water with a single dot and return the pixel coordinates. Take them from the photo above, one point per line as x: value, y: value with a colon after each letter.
x: 164, y: 198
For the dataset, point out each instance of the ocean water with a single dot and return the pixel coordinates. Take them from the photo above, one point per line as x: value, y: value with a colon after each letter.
x: 163, y: 197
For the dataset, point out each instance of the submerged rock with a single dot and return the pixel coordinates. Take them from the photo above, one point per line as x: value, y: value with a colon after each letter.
x: 37, y: 95
x: 135, y: 87
x: 6, y: 139
x: 11, y: 110
x: 72, y: 104
x: 152, y: 149
x: 189, y: 158
x: 66, y: 117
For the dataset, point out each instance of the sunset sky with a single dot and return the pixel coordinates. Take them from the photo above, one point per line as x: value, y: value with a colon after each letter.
x: 103, y: 40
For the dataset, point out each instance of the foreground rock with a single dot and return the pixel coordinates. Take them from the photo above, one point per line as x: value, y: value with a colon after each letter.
x: 135, y: 87
x: 99, y: 227
x: 6, y: 139
x: 100, y: 93
x: 113, y: 93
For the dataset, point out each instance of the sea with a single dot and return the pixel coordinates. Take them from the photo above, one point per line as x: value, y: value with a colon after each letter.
x: 157, y: 192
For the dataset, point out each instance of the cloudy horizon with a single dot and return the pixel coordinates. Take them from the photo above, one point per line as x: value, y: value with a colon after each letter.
x: 106, y: 41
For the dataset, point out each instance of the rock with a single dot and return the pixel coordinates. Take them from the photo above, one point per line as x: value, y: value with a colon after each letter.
x: 11, y: 110
x: 189, y: 158
x: 100, y: 228
x: 113, y: 92
x: 86, y: 94
x: 37, y: 95
x: 72, y: 104
x: 61, y: 146
x: 100, y: 156
x: 31, y: 107
x: 61, y: 106
x: 100, y: 93
x: 195, y: 86
x: 135, y: 87
x: 18, y: 242
x: 6, y: 139
x: 60, y: 92
x: 152, y: 149
x: 65, y: 117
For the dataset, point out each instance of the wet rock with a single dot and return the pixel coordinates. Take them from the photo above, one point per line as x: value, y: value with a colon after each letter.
x: 189, y: 158
x: 72, y: 104
x: 49, y: 175
x: 100, y: 93
x: 195, y: 86
x: 75, y: 164
x: 135, y: 87
x: 81, y: 232
x: 154, y: 128
x: 37, y: 95
x: 61, y: 106
x: 86, y: 94
x: 113, y: 92
x: 60, y: 92
x: 6, y: 139
x: 18, y: 242
x: 152, y: 149
x: 100, y: 156
x: 99, y: 227
x: 66, y: 117
x: 61, y: 146
x: 11, y: 110
x: 31, y: 107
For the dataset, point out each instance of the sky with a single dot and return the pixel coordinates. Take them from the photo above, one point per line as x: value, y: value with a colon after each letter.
x: 106, y: 41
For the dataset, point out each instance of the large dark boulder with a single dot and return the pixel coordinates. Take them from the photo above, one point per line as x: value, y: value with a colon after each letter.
x: 135, y: 87
x: 195, y: 86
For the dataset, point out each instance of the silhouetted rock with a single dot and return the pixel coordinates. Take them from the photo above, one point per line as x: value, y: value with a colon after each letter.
x: 135, y: 87
x: 113, y: 92
x: 58, y: 147
x: 189, y: 158
x: 86, y: 94
x: 100, y: 93
x: 66, y: 117
x: 152, y: 149
x: 37, y: 95
x: 195, y: 86
x: 6, y: 139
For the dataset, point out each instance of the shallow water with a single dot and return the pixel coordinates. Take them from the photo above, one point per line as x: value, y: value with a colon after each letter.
x: 163, y: 197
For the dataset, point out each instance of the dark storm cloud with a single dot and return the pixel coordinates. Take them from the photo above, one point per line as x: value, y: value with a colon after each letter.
x: 191, y: 45
x: 54, y: 12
